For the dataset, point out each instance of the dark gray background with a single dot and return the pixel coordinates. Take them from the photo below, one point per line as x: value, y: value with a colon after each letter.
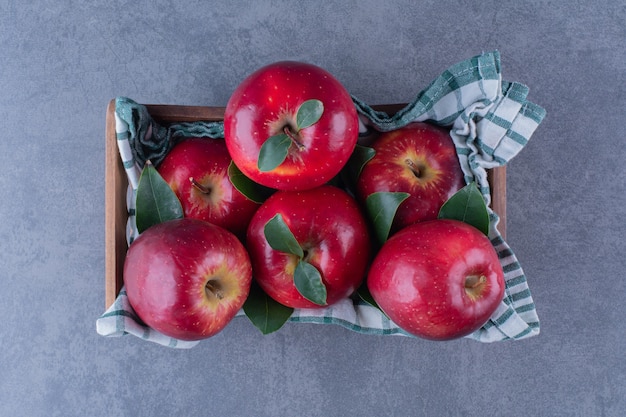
x: 62, y: 61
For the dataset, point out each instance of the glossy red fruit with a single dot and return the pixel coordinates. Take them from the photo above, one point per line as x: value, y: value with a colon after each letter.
x: 329, y: 226
x: 439, y: 279
x: 197, y: 171
x: 187, y: 278
x: 266, y: 104
x: 419, y: 159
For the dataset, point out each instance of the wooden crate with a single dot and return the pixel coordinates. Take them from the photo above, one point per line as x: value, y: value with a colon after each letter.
x: 116, y: 185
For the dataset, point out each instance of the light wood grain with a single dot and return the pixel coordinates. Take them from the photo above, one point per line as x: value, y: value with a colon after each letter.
x: 497, y: 182
x: 116, y: 212
x: 116, y: 184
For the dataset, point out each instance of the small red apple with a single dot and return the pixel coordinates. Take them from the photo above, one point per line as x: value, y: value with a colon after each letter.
x: 187, y: 278
x: 290, y: 126
x: 332, y: 233
x: 419, y: 159
x: 197, y: 171
x: 439, y: 279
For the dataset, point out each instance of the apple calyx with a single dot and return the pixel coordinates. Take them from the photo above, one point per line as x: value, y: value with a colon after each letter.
x: 306, y: 277
x: 275, y: 149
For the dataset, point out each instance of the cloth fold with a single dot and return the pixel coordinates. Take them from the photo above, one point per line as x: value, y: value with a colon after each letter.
x: 491, y: 121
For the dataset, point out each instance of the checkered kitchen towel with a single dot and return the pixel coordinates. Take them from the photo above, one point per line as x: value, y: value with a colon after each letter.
x: 491, y: 121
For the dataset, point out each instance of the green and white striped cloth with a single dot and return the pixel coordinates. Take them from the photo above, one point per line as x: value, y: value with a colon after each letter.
x: 491, y: 121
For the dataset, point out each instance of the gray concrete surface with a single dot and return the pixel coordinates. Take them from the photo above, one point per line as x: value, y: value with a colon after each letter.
x: 62, y: 61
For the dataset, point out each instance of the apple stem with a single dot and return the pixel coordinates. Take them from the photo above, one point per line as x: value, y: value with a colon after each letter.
x: 199, y: 186
x: 413, y: 167
x: 214, y: 289
x: 292, y: 136
x: 474, y: 281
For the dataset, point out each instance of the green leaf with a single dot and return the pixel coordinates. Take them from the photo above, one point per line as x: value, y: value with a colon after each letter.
x: 156, y: 202
x: 267, y: 314
x: 364, y: 294
x: 467, y: 205
x: 273, y: 152
x: 308, y: 281
x: 252, y: 190
x: 280, y: 237
x: 361, y: 155
x: 381, y: 208
x: 309, y: 113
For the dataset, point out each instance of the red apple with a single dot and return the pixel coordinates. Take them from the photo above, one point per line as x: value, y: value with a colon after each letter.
x: 187, y: 278
x: 419, y: 159
x: 197, y: 171
x: 329, y: 227
x: 295, y: 112
x: 438, y: 280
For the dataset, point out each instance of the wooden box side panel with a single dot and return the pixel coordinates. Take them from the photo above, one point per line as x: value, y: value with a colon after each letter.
x: 116, y: 213
x: 116, y: 185
x: 497, y: 182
